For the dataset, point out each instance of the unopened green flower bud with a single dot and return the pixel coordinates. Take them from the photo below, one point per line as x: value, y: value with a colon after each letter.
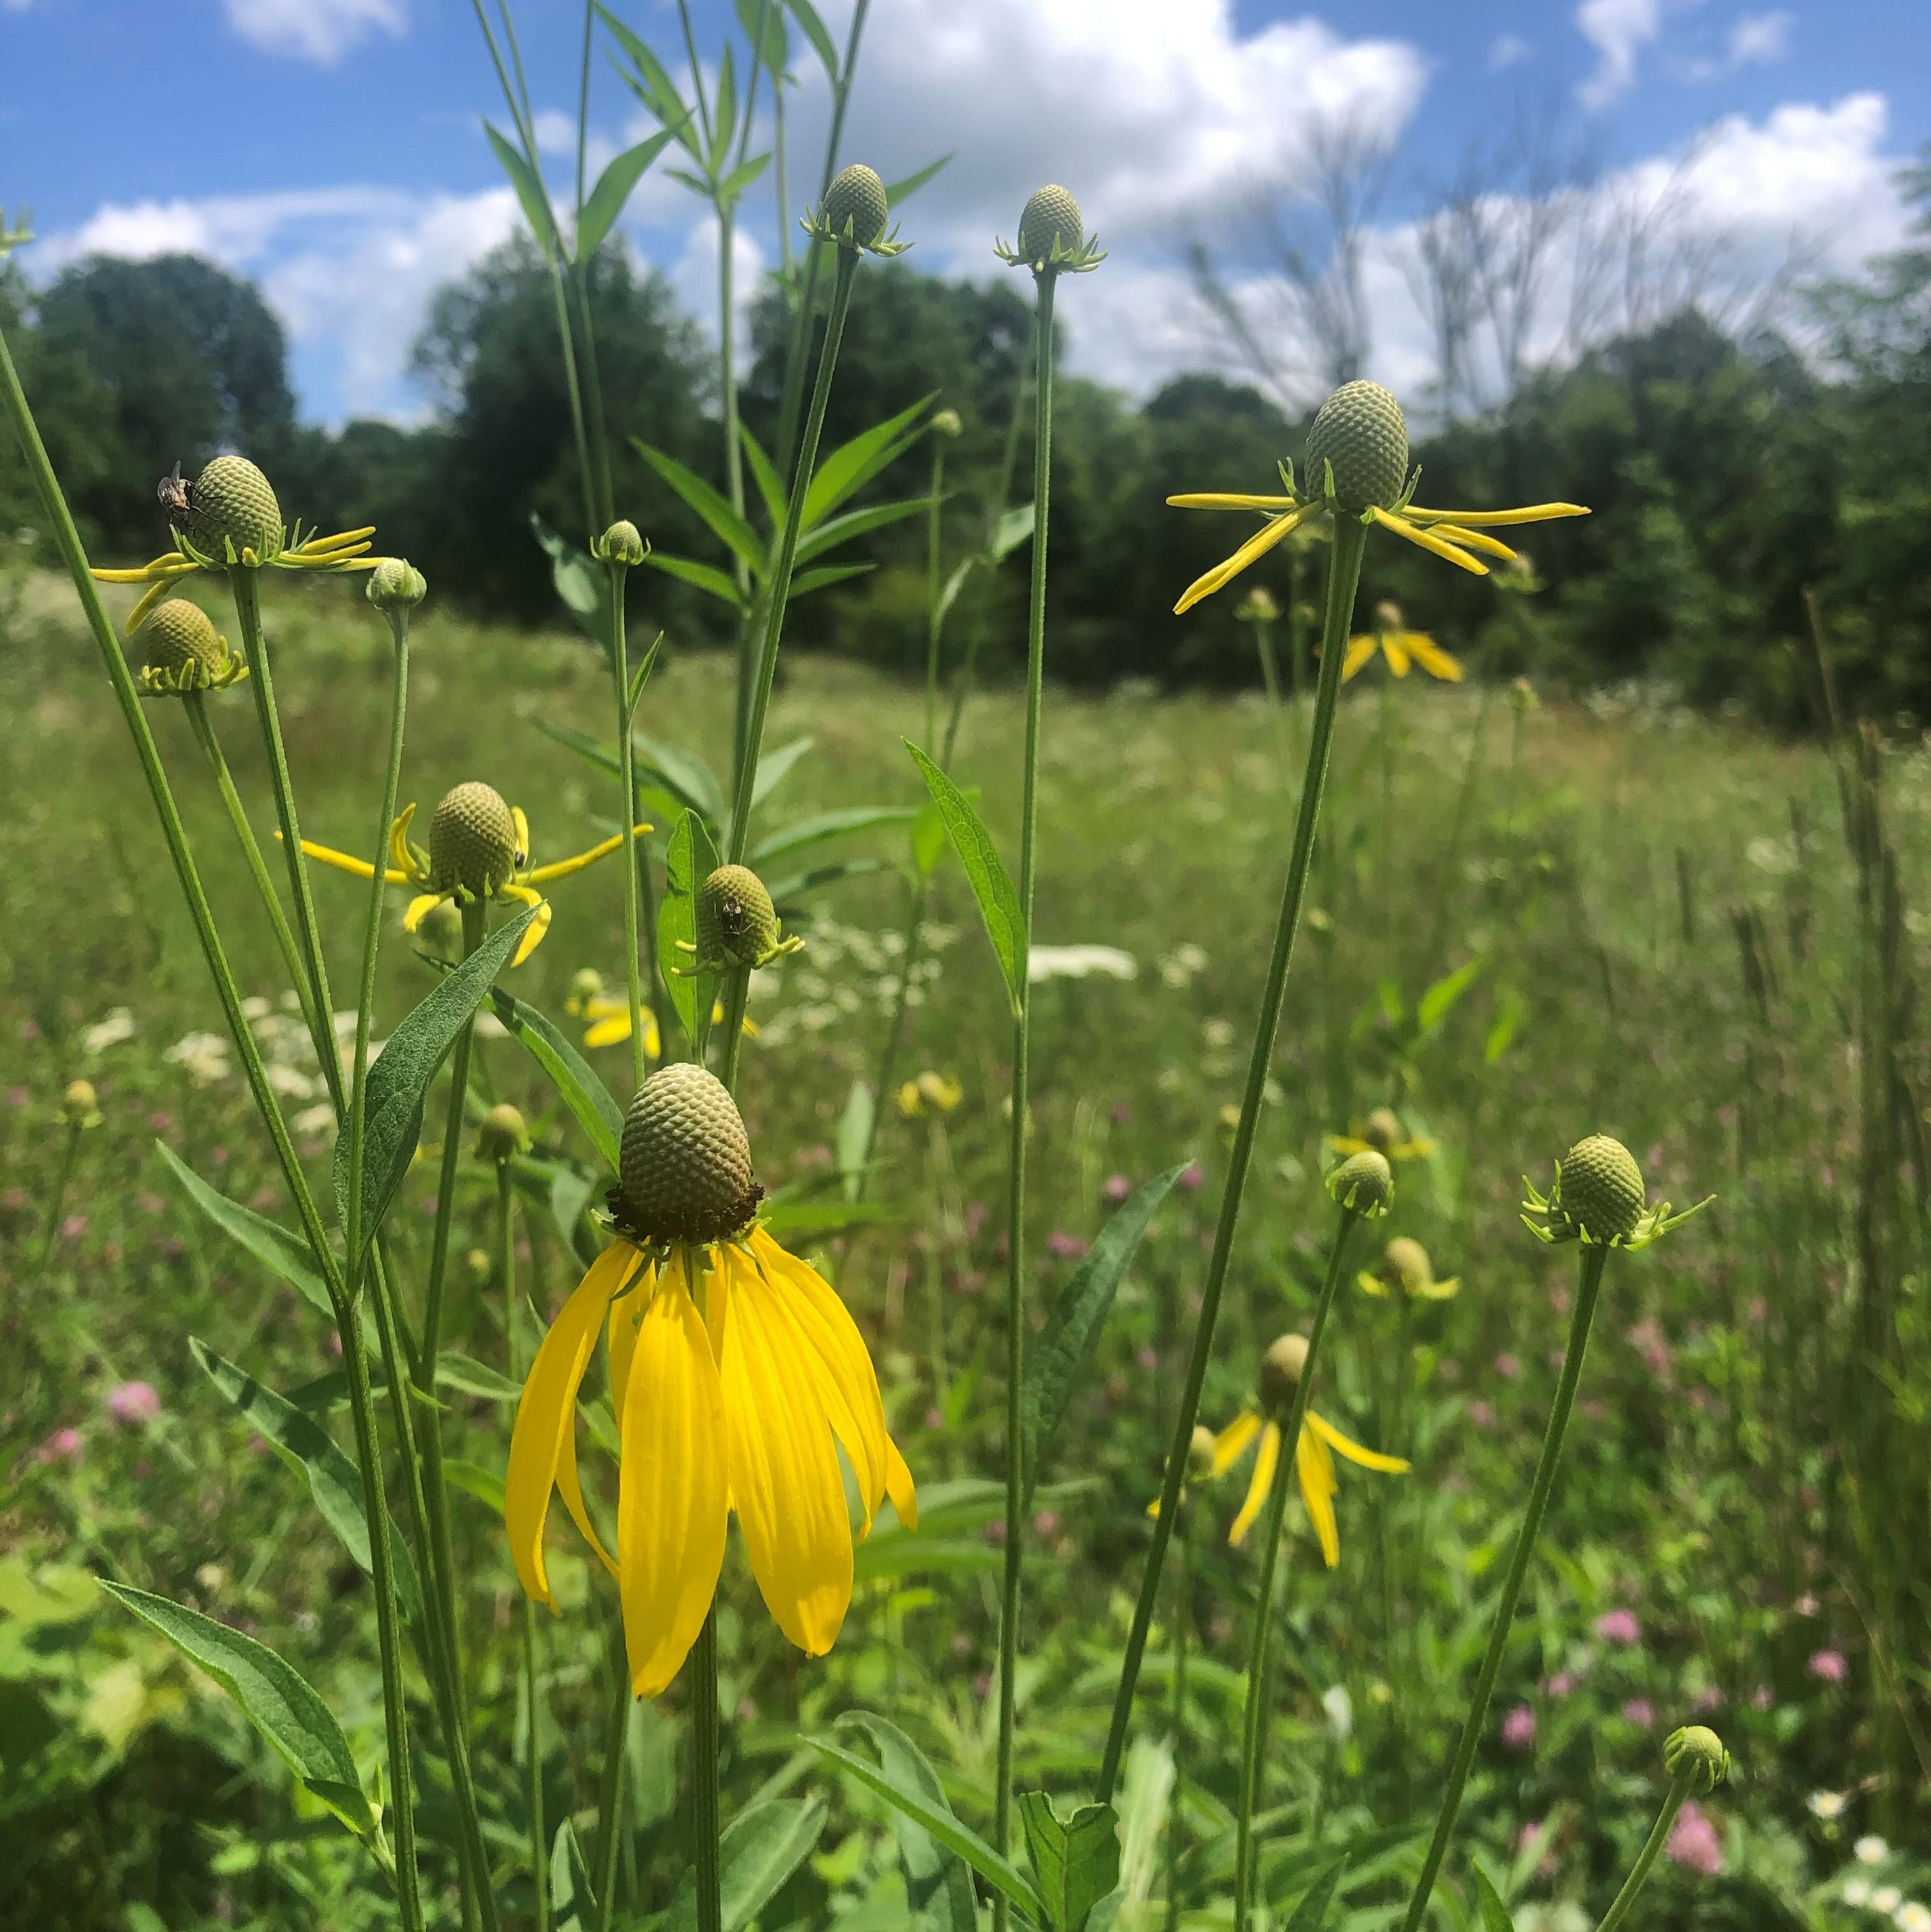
x: 179, y: 635
x: 80, y: 1104
x: 1050, y: 222
x: 946, y: 423
x: 1258, y: 606
x: 231, y: 502
x: 683, y: 1170
x: 1360, y: 431
x: 476, y: 1262
x: 502, y: 1134
x: 622, y: 543
x: 855, y: 208
x: 1599, y: 1188
x: 472, y: 842
x: 1199, y: 1454
x: 1695, y: 1756
x: 1364, y: 1184
x: 1282, y: 1368
x: 396, y: 584
x: 736, y: 923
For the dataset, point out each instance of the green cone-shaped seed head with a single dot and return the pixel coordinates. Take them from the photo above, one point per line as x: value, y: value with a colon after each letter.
x: 684, y: 1169
x: 502, y: 1134
x: 736, y: 922
x: 1694, y: 1756
x: 1364, y: 1183
x: 396, y: 584
x: 1383, y: 1131
x: 1050, y: 215
x: 1598, y: 1188
x: 1282, y: 1368
x: 178, y: 633
x: 1360, y: 431
x: 622, y: 543
x: 1409, y: 1262
x: 858, y: 196
x: 472, y: 842
x: 232, y: 502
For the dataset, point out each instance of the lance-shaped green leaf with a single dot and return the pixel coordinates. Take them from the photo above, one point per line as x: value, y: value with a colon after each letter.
x: 399, y: 1078
x: 285, y: 1254
x: 1435, y: 1005
x: 1494, y: 1914
x: 277, y: 1700
x: 727, y: 524
x: 939, y: 1822
x: 687, y: 775
x: 705, y: 576
x: 824, y: 826
x: 690, y: 860
x: 582, y: 584
x: 613, y: 188
x: 570, y: 1073
x: 854, y: 464
x: 854, y: 1137
x: 310, y: 1451
x: 938, y: 1888
x: 651, y: 84
x: 1312, y: 1912
x: 807, y: 17
x: 985, y: 873
x: 908, y: 185
x: 1078, y: 1315
x: 759, y: 1850
x: 1076, y: 1859
x: 573, y: 1901
x: 763, y: 24
x: 529, y: 191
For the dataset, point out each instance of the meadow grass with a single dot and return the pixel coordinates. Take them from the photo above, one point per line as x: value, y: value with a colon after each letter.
x: 1604, y: 855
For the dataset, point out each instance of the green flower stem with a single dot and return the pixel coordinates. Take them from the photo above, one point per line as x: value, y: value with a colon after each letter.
x: 1343, y: 574
x: 195, y: 704
x: 248, y: 614
x: 395, y: 1715
x: 610, y: 1785
x: 1253, y: 1736
x: 1271, y: 677
x: 69, y: 1155
x: 627, y: 773
x: 780, y: 588
x: 1183, y: 1632
x: 372, y: 934
x: 895, y: 1033
x: 704, y: 1774
x: 1047, y: 281
x: 934, y: 497
x: 1445, y: 866
x: 1659, y: 1837
x: 1593, y: 1257
x: 735, y: 993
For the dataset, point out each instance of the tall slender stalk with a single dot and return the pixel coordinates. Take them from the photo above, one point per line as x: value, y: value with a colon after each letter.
x: 1679, y: 1790
x: 704, y: 1774
x: 1592, y: 1258
x: 1183, y: 1634
x: 1047, y: 281
x: 610, y: 1784
x: 779, y: 595
x: 68, y: 539
x: 1253, y: 1722
x: 934, y: 497
x: 1344, y: 575
x: 627, y: 777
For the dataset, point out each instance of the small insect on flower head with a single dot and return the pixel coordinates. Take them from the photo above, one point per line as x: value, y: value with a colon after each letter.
x: 737, y: 924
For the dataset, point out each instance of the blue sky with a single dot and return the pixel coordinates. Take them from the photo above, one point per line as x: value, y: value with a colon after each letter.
x: 331, y: 148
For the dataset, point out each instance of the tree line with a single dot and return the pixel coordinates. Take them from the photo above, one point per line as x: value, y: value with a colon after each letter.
x: 1730, y: 470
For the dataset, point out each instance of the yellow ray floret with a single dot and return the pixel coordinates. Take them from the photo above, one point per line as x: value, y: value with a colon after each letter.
x: 1314, y: 1470
x: 741, y: 1404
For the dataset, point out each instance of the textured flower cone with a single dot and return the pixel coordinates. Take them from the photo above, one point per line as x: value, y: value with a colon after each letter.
x: 1282, y: 1368
x: 1360, y: 431
x: 1383, y: 1132
x: 232, y: 502
x: 684, y: 1169
x: 472, y: 842
x: 1051, y: 214
x: 736, y: 921
x: 857, y: 195
x: 1409, y: 1260
x: 1599, y: 1189
x: 178, y: 635
x: 736, y: 1375
x: 1364, y: 1183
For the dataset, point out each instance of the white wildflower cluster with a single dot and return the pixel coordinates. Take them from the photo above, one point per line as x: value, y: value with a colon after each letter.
x: 113, y: 1028
x: 203, y: 1057
x: 1079, y: 962
x: 845, y: 974
x: 1182, y: 966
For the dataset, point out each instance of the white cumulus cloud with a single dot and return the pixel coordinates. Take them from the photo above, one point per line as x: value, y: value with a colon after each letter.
x: 1618, y: 30
x: 1759, y: 39
x: 322, y: 30
x: 1507, y: 50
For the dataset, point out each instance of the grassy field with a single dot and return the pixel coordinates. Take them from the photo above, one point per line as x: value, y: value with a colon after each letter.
x: 1534, y: 923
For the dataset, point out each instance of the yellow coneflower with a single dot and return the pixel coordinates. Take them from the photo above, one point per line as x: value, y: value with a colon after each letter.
x: 479, y: 849
x: 1383, y: 1133
x: 1401, y: 647
x: 229, y: 517
x: 736, y: 1374
x: 1321, y: 1441
x: 1405, y: 1264
x: 1356, y: 465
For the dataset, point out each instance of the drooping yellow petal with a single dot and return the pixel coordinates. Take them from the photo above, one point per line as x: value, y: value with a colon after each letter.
x: 546, y: 1417
x: 785, y: 1482
x: 400, y: 855
x: 1424, y: 540
x: 1469, y: 539
x: 522, y: 825
x: 1220, y: 500
x: 533, y: 934
x: 1264, y: 1464
x: 1534, y: 513
x: 900, y: 1486
x: 672, y: 1504
x: 1440, y: 1291
x: 1315, y: 1467
x: 848, y: 1383
x: 421, y: 906
x: 1372, y: 1285
x: 1257, y: 546
x: 1343, y: 1445
x: 346, y: 862
x: 1359, y: 650
x: 1397, y: 657
x: 1347, y: 1144
x: 1231, y: 1443
x: 1433, y: 658
x: 626, y: 1315
x: 170, y: 563
x: 341, y: 540
x: 562, y: 868
x: 139, y: 615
